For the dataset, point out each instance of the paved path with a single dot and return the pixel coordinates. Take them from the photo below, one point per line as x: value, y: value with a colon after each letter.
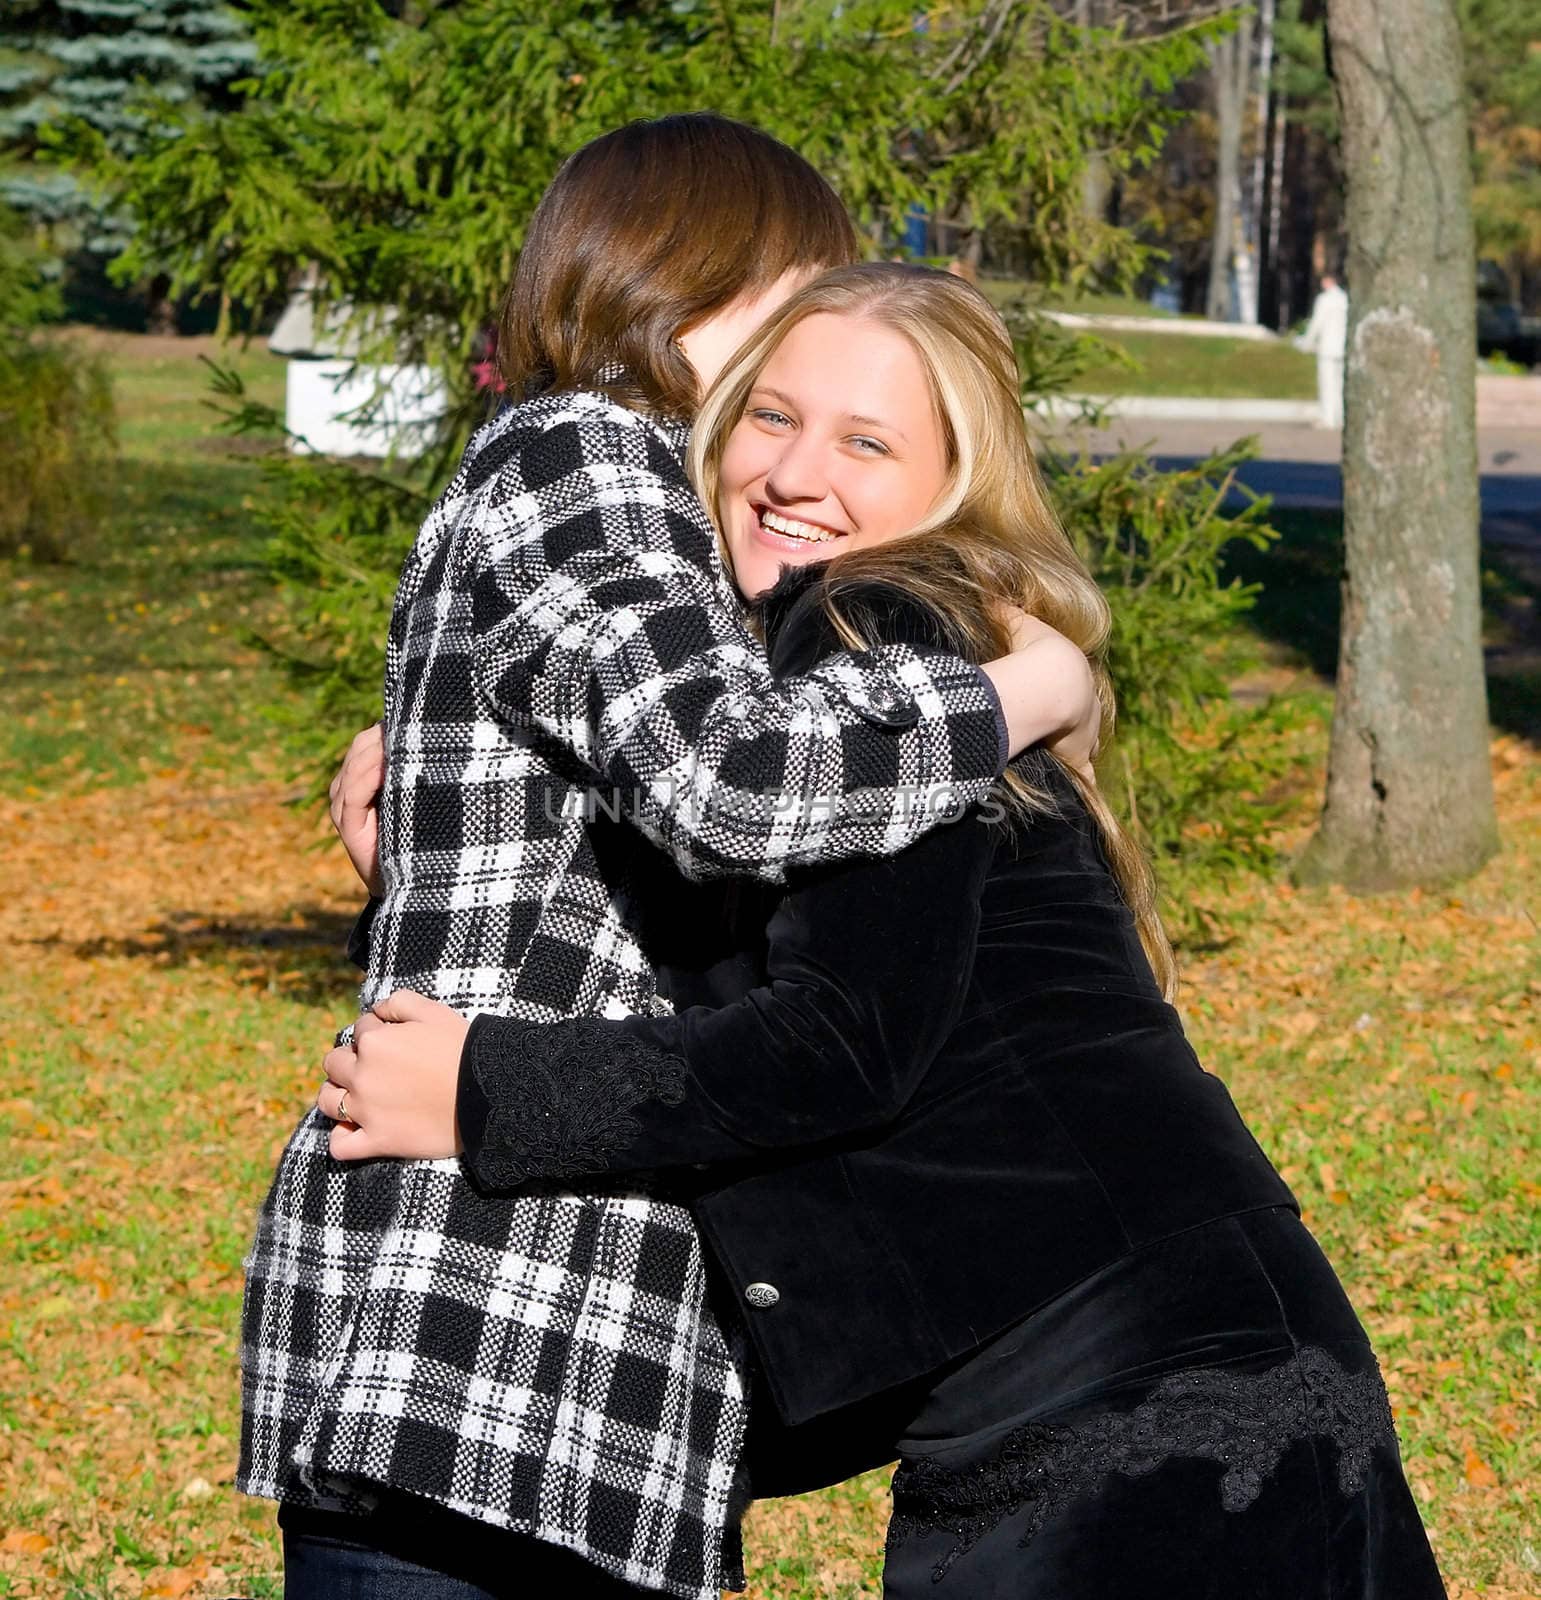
x: 1299, y: 466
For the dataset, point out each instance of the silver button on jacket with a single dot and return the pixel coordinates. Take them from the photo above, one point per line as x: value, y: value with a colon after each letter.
x: 762, y: 1296
x: 887, y: 706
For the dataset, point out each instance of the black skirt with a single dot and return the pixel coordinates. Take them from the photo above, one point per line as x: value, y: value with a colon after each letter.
x: 1203, y: 1419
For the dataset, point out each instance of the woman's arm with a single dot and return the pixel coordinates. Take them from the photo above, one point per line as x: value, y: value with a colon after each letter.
x: 1049, y: 695
x: 603, y: 622
x: 1311, y: 336
x: 866, y: 970
x: 1045, y: 688
x: 866, y: 973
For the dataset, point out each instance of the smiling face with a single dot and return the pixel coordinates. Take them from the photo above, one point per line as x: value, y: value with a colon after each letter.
x: 839, y: 447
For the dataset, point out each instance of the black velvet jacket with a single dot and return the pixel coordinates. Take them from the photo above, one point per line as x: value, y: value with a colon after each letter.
x: 955, y: 1092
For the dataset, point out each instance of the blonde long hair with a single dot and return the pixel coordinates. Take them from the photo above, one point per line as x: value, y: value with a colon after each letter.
x: 992, y: 534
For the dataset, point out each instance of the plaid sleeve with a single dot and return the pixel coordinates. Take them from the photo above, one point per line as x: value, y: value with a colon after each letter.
x: 601, y: 621
x: 867, y: 969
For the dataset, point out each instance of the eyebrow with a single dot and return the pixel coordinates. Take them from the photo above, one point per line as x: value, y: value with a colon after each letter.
x: 850, y: 416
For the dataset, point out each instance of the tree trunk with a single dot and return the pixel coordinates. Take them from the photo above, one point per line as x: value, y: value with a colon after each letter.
x: 160, y: 312
x: 1097, y: 178
x: 1409, y: 785
x: 1257, y: 198
x: 1230, y: 62
x: 1300, y: 223
x: 1271, y: 273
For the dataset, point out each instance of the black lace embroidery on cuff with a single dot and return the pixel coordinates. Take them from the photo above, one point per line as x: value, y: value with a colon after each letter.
x: 1245, y: 1421
x: 555, y: 1098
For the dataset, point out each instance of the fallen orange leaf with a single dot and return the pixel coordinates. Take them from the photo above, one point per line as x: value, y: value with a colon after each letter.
x: 176, y: 1584
x: 1478, y: 1473
x: 22, y: 1542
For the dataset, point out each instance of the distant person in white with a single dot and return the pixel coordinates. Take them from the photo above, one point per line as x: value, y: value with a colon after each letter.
x: 1327, y: 334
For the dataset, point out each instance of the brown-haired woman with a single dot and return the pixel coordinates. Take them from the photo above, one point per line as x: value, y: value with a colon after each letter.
x: 954, y: 1157
x: 463, y: 1395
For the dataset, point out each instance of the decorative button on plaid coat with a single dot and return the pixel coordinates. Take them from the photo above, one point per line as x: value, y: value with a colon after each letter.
x: 564, y: 645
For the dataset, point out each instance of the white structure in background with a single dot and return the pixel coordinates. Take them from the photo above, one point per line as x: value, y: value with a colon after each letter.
x: 336, y: 405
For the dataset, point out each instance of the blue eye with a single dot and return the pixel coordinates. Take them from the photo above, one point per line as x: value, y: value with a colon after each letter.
x: 871, y: 447
x: 775, y: 418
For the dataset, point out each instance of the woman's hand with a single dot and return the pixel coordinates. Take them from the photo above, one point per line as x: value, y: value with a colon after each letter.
x: 354, y: 797
x: 392, y: 1091
x: 1048, y: 693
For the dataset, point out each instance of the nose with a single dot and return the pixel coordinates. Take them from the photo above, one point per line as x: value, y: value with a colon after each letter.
x: 798, y: 475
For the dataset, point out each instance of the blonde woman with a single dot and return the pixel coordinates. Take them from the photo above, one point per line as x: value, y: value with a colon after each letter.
x: 978, y: 1205
x: 457, y: 1396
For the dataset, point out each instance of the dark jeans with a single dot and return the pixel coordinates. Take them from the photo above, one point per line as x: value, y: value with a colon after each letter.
x: 411, y: 1550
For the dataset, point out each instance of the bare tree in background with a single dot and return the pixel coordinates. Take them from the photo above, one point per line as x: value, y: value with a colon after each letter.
x: 1142, y: 19
x: 1409, y: 785
x: 1257, y: 190
x: 1098, y: 182
x: 1231, y: 68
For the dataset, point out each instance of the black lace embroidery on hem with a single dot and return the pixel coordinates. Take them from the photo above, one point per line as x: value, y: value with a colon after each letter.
x: 560, y: 1096
x: 1245, y: 1421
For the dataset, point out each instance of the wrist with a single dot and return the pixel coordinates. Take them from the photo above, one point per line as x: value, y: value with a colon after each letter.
x: 1043, y: 690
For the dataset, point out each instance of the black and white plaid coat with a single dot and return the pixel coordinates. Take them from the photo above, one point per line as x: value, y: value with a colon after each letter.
x: 564, y: 641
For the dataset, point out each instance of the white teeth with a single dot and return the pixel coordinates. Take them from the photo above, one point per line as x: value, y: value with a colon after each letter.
x: 796, y: 530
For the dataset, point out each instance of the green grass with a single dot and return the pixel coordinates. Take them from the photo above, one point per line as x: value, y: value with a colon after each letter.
x: 136, y: 651
x: 173, y: 978
x: 167, y: 410
x: 1180, y: 364
x: 1110, y: 305
x: 1088, y: 304
x: 1204, y: 367
x: 1301, y: 597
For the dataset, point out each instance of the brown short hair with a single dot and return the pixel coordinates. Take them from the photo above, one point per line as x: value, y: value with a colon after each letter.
x: 642, y: 234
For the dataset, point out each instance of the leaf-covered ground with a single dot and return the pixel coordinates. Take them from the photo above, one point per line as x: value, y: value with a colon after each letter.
x: 173, y: 977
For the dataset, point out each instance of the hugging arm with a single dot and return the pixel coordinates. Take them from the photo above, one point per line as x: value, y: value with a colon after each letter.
x: 866, y: 969
x: 602, y: 623
x: 866, y: 972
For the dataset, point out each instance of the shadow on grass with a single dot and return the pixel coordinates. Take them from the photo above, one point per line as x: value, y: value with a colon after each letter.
x: 172, y: 516
x: 303, y: 957
x: 186, y: 517
x: 114, y: 658
x: 178, y: 552
x: 1300, y: 603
